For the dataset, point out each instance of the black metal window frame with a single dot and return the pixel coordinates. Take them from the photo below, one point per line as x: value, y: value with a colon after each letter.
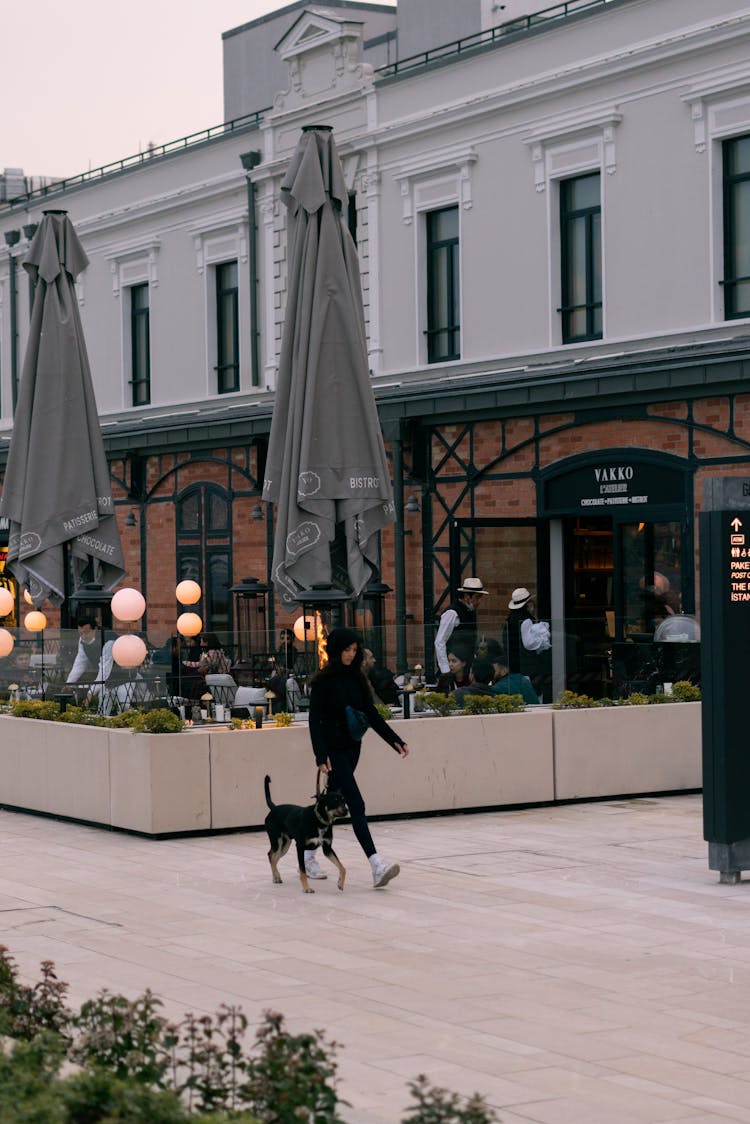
x: 140, y: 344
x: 199, y: 548
x: 732, y: 181
x: 227, y: 327
x: 571, y: 219
x: 442, y: 307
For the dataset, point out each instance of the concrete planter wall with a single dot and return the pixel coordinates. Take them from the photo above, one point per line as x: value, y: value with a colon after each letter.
x: 631, y: 749
x: 212, y: 779
x: 462, y: 762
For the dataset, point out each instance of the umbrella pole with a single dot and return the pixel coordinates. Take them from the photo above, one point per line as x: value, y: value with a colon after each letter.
x: 65, y: 607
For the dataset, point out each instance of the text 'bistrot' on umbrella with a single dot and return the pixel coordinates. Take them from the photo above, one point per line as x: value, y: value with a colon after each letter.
x: 326, y: 464
x: 57, y: 493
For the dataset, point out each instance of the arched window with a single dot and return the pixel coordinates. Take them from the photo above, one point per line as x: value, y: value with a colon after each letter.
x: 204, y: 550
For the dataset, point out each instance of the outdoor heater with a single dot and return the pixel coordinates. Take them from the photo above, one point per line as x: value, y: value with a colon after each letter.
x: 324, y: 603
x: 250, y: 596
x: 367, y: 617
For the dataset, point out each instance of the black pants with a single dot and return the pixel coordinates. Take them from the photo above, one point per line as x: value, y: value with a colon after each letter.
x: 341, y: 778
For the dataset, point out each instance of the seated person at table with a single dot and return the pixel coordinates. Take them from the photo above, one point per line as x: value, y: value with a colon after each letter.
x: 286, y: 654
x: 212, y: 659
x: 185, y: 680
x: 480, y: 678
x: 381, y: 679
x: 116, y: 688
x: 511, y: 683
x: 459, y: 661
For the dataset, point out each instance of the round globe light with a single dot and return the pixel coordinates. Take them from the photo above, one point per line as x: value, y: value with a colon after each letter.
x: 188, y: 593
x: 128, y: 605
x: 189, y: 624
x: 6, y: 642
x: 35, y: 621
x: 129, y: 651
x: 6, y: 602
x: 304, y: 628
x: 27, y: 597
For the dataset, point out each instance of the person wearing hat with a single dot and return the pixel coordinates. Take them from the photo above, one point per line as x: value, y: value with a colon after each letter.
x: 341, y: 684
x: 461, y: 618
x: 534, y: 634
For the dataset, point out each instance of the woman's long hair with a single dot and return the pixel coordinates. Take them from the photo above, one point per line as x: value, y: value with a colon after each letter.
x: 212, y: 641
x: 334, y: 666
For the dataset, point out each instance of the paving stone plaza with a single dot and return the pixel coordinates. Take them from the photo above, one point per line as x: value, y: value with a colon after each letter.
x: 576, y: 964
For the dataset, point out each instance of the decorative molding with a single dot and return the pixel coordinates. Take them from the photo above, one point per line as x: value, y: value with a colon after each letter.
x: 451, y: 168
x: 313, y: 29
x: 220, y: 241
x: 371, y: 182
x: 719, y: 105
x: 132, y: 263
x: 162, y: 207
x: 323, y: 53
x: 573, y: 142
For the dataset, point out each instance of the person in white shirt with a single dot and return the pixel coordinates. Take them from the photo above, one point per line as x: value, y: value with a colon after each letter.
x: 116, y: 688
x: 535, y: 635
x: 461, y: 618
x: 83, y: 668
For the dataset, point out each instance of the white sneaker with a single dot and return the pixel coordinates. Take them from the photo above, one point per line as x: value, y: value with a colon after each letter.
x: 383, y: 872
x: 312, y: 866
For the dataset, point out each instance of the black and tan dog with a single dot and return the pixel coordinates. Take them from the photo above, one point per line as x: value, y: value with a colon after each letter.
x: 308, y: 827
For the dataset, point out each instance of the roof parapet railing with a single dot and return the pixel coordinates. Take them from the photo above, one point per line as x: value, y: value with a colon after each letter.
x: 153, y: 152
x: 489, y: 36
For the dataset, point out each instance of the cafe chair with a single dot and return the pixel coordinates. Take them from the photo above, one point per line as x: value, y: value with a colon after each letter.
x: 222, y: 686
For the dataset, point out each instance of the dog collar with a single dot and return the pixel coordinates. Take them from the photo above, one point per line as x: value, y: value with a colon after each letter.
x: 320, y: 819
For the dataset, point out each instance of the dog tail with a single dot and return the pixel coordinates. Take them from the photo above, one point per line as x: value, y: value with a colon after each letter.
x: 267, y: 786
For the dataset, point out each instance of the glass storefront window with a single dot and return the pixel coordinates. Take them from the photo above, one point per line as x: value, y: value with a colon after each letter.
x: 651, y: 575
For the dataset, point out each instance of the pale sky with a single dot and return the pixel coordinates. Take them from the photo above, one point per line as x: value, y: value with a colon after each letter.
x: 85, y: 82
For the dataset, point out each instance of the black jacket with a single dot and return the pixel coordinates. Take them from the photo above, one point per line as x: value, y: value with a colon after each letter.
x: 330, y: 694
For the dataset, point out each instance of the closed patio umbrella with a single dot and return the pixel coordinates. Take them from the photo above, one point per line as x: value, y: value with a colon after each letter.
x: 326, y: 464
x: 56, y: 493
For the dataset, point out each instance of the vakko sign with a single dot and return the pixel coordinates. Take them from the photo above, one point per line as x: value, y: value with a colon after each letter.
x: 603, y: 485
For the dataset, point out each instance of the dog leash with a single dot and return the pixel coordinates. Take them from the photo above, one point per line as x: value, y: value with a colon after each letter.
x: 317, y: 781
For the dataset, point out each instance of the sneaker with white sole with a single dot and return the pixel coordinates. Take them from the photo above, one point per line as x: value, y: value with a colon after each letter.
x: 383, y: 872
x: 312, y: 866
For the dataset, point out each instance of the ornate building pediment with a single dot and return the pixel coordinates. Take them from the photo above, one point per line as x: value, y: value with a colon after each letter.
x: 324, y: 54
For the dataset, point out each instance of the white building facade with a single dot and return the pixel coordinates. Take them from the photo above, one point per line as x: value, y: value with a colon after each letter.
x: 551, y: 212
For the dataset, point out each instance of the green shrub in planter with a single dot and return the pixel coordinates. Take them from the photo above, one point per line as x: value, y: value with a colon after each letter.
x: 74, y: 714
x: 162, y: 721
x: 569, y: 700
x: 493, y: 704
x: 442, y: 705
x: 35, y: 708
x: 508, y: 704
x: 683, y: 691
x: 125, y: 720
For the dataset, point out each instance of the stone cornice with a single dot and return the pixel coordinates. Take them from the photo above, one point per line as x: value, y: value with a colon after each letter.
x: 628, y: 58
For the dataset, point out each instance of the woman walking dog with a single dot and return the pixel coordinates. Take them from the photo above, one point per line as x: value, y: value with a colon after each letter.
x: 339, y: 696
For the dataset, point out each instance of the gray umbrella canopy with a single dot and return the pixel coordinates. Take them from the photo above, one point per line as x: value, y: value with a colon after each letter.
x: 326, y: 463
x: 57, y: 488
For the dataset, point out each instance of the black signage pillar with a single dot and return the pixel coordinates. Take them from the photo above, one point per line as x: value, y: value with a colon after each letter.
x: 725, y: 636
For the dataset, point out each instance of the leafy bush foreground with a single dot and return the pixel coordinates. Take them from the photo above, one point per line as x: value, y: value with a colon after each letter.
x: 120, y: 1061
